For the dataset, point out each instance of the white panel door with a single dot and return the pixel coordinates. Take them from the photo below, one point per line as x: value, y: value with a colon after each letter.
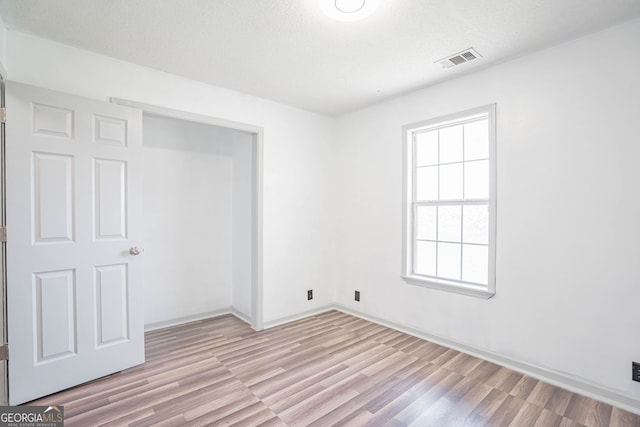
x: 73, y: 212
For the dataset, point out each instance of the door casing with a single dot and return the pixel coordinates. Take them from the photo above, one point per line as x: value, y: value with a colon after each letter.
x: 4, y: 372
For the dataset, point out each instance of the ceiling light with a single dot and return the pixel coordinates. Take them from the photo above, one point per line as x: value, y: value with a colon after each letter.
x: 348, y: 10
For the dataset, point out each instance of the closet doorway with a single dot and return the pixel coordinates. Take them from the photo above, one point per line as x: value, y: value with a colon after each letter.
x: 202, y: 208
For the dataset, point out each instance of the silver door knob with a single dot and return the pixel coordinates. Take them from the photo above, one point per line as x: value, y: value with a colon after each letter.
x: 135, y: 250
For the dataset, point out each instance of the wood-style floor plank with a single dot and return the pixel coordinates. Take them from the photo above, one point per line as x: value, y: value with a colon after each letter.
x: 326, y: 370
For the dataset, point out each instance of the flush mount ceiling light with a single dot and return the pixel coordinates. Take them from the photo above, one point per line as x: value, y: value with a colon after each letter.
x: 348, y: 10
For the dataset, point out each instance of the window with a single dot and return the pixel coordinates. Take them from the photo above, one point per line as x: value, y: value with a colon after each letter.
x: 450, y: 202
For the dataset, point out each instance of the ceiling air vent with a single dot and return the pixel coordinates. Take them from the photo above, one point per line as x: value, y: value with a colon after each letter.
x: 459, y: 58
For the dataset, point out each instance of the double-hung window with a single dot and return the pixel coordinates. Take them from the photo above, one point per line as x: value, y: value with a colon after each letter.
x: 450, y: 202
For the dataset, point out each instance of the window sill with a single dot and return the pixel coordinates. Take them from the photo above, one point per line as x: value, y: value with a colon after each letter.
x: 474, y: 291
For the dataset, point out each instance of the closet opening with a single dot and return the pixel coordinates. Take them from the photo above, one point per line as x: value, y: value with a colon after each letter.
x: 202, y: 217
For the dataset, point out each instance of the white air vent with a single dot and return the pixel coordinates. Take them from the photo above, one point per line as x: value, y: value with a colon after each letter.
x: 459, y: 58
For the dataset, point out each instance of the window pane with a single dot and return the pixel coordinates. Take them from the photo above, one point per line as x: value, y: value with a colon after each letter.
x: 450, y: 223
x: 475, y: 264
x: 427, y: 183
x: 476, y: 140
x: 449, y: 261
x: 426, y: 221
x: 475, y: 224
x: 451, y: 181
x: 425, y: 258
x: 476, y: 180
x: 451, y: 144
x: 427, y: 148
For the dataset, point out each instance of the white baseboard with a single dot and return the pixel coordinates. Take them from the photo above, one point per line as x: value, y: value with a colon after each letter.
x: 187, y: 319
x: 246, y: 319
x: 563, y: 380
x: 298, y: 316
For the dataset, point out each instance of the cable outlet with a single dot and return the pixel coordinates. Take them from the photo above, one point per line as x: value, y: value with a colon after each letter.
x: 310, y: 294
x: 357, y: 296
x: 635, y: 371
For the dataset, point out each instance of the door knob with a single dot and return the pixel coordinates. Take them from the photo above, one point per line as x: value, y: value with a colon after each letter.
x: 135, y: 250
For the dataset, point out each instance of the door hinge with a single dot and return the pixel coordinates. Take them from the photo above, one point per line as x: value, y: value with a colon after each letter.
x: 3, y: 234
x: 3, y: 115
x: 4, y: 352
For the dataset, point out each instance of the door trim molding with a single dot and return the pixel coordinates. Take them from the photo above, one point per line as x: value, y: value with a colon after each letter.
x: 4, y: 370
x: 256, y: 197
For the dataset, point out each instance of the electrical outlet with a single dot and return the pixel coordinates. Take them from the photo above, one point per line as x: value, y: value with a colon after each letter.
x: 357, y: 297
x: 635, y: 371
x: 310, y: 294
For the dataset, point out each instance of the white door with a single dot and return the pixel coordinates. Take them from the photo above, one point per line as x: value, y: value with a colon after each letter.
x: 74, y: 300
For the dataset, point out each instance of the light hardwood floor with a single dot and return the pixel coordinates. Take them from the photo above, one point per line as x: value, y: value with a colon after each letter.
x: 325, y: 370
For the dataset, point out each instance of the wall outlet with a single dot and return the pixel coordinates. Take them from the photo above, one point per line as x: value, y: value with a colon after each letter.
x: 357, y: 296
x: 310, y: 294
x: 635, y: 371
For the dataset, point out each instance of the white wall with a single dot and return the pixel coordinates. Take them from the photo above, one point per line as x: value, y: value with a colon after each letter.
x: 568, y: 246
x: 299, y: 232
x: 189, y: 198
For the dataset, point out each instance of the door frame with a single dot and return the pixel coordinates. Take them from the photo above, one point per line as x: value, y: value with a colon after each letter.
x: 4, y: 366
x: 256, y: 320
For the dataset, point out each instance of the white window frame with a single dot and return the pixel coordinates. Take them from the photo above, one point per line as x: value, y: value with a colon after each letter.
x: 408, y: 205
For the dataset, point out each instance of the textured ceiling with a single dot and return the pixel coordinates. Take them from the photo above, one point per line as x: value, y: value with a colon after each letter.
x: 290, y: 52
